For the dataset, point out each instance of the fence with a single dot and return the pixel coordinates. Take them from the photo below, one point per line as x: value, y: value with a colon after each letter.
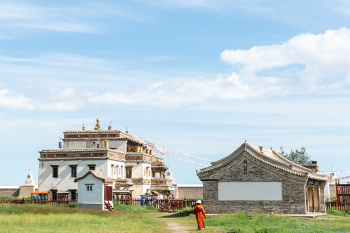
x: 342, y: 201
x: 51, y: 202
x: 333, y: 205
x: 162, y: 205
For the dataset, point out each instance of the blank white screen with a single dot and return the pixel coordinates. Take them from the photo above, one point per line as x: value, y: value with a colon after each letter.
x: 250, y: 191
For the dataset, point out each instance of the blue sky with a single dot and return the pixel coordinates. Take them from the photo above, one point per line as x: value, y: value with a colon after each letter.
x: 199, y: 76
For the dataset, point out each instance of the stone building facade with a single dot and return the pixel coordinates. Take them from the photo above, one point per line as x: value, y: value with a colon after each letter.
x: 257, y: 179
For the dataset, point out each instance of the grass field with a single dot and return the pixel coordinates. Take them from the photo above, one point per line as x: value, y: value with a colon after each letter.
x: 248, y: 222
x: 335, y: 221
x: 46, y: 218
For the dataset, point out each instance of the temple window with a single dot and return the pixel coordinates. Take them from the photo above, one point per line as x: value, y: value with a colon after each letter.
x: 89, y: 187
x: 54, y: 171
x: 128, y: 172
x: 245, y: 165
x: 73, y: 169
x: 92, y: 167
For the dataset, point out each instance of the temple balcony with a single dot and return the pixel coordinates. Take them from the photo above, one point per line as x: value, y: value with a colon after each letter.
x: 138, y: 157
x: 80, y: 154
x: 161, y: 182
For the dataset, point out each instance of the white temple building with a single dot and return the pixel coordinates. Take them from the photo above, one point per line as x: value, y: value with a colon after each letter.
x: 117, y: 154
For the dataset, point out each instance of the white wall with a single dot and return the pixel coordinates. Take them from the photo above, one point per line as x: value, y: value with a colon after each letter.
x: 138, y: 170
x: 74, y: 145
x: 64, y: 180
x: 96, y: 196
x: 139, y: 189
x: 119, y: 173
x: 250, y: 191
x: 118, y: 145
x: 86, y: 144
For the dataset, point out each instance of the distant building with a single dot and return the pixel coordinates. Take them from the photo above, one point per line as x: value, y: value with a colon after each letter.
x: 28, y: 187
x: 332, y: 183
x: 188, y: 191
x: 19, y: 191
x: 117, y: 154
x: 257, y: 179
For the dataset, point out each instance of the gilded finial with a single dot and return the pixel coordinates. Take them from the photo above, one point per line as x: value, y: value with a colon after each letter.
x: 98, y: 126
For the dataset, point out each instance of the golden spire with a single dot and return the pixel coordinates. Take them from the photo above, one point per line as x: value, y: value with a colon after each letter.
x: 98, y: 126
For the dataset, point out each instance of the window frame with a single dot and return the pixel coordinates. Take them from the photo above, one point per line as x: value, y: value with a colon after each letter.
x: 73, y: 171
x: 89, y: 187
x: 54, y: 171
x: 92, y: 167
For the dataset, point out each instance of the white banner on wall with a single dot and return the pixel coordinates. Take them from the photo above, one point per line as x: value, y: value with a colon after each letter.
x: 250, y: 191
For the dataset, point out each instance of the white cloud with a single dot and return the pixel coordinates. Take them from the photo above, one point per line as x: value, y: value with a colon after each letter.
x: 79, y: 18
x: 9, y: 99
x: 69, y: 102
x: 72, y: 81
x: 218, y: 5
x: 60, y: 106
x: 322, y: 59
x: 179, y: 92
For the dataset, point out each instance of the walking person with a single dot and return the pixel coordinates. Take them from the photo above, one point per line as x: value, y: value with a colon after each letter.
x: 200, y: 214
x: 141, y: 201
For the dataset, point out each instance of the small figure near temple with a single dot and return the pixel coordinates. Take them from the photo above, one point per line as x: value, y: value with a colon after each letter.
x: 200, y: 214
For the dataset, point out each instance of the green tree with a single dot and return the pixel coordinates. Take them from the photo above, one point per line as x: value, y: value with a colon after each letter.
x: 297, y: 156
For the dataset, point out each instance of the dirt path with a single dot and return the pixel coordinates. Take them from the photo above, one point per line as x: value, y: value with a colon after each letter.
x: 176, y: 224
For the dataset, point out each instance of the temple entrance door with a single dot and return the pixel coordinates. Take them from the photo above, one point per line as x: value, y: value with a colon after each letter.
x: 316, y: 200
x: 54, y: 194
x: 108, y: 193
x: 313, y: 200
x: 310, y: 199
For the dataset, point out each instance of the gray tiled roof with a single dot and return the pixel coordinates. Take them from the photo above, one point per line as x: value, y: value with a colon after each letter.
x: 267, y: 156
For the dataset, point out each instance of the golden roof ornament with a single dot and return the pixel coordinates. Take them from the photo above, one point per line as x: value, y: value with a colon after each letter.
x: 98, y: 126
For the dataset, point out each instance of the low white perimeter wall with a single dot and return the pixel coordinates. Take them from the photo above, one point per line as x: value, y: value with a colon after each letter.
x: 250, y: 191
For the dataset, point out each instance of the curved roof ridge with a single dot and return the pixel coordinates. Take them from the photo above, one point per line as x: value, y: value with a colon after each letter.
x: 292, y: 163
x: 286, y: 169
x: 276, y: 161
x: 97, y: 174
x: 264, y: 157
x: 228, y: 156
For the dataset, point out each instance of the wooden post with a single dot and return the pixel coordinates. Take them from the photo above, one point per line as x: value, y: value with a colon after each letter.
x: 319, y: 202
x: 313, y: 200
x: 337, y: 196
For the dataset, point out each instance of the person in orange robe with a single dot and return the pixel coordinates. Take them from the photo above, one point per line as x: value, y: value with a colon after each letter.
x: 200, y: 213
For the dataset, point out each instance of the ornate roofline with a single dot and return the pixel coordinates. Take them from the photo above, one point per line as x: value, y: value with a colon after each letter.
x: 91, y: 131
x: 301, y: 171
x: 95, y: 139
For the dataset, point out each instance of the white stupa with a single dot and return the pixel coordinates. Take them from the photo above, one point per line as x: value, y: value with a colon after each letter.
x: 28, y: 187
x: 29, y: 181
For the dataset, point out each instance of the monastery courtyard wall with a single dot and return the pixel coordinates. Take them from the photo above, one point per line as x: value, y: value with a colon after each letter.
x: 9, y: 191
